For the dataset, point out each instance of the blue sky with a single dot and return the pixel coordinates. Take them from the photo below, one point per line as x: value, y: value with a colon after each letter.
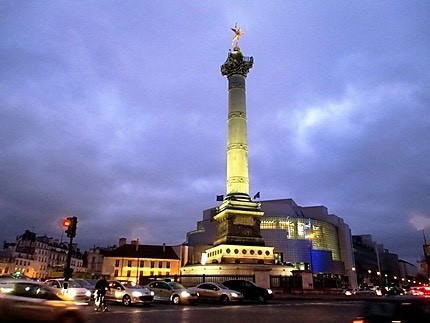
x: 115, y: 111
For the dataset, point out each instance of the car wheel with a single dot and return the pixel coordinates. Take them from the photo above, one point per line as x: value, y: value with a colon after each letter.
x: 224, y: 299
x: 126, y: 300
x: 261, y: 299
x: 176, y: 299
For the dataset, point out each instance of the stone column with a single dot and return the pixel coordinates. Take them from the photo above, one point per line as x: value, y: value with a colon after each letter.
x: 236, y: 68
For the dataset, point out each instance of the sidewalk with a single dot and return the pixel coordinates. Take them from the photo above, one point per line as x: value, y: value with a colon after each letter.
x: 320, y: 296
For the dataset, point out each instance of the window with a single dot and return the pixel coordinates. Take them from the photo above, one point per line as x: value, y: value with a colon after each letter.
x: 141, y: 264
x: 168, y: 264
x: 129, y: 263
x: 116, y: 273
x: 128, y: 273
x: 152, y: 264
x: 160, y: 264
x: 117, y: 263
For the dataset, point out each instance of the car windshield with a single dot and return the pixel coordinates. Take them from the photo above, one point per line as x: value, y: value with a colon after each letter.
x: 73, y: 284
x: 176, y: 285
x: 84, y: 283
x: 132, y: 285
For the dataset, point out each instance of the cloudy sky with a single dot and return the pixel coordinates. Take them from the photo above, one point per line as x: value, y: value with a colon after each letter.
x: 115, y: 111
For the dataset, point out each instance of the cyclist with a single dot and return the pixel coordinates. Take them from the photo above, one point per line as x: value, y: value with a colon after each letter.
x: 100, y: 300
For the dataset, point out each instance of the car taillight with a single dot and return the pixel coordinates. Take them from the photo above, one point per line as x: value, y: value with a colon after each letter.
x: 358, y: 321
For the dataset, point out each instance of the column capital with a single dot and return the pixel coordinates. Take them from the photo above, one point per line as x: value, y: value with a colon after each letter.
x: 236, y: 63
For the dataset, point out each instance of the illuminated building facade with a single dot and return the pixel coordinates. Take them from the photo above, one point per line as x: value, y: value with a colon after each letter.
x: 306, y: 237
x: 133, y: 262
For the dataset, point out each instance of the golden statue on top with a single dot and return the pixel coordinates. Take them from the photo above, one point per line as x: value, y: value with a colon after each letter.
x: 237, y: 34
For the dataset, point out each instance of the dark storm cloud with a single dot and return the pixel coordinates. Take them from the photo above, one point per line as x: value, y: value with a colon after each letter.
x: 116, y: 112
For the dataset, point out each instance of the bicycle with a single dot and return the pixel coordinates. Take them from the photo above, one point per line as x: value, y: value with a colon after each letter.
x: 100, y: 302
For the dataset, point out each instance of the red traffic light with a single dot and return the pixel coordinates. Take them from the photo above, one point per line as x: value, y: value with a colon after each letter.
x: 66, y: 223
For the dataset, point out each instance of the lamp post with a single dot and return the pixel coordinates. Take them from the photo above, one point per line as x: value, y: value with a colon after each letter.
x: 310, y: 237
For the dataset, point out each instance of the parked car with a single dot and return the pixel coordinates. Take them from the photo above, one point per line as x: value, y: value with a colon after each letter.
x: 368, y: 290
x: 27, y: 301
x: 217, y: 292
x: 395, y: 309
x: 128, y: 293
x: 250, y: 290
x: 73, y: 289
x: 170, y: 291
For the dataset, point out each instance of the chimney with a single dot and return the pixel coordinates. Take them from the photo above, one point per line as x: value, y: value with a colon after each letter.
x: 122, y: 242
x: 164, y: 247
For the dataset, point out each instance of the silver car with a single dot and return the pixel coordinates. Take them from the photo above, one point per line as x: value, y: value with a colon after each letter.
x: 128, y: 293
x: 168, y: 291
x: 72, y: 289
x: 27, y: 301
x: 217, y: 292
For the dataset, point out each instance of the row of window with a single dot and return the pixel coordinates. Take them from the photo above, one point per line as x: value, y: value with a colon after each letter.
x: 143, y: 263
x: 236, y: 251
x: 151, y: 273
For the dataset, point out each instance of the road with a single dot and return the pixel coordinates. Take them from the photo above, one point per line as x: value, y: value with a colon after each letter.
x: 315, y: 311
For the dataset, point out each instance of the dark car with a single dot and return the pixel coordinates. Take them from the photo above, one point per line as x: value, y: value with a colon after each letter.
x: 250, y: 290
x: 405, y: 309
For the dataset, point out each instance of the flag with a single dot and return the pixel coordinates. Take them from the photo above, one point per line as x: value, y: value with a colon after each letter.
x: 220, y: 197
x: 257, y: 196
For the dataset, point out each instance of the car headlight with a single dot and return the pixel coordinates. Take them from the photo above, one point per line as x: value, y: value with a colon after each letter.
x: 136, y: 294
x: 269, y: 291
x: 152, y: 293
x: 88, y: 293
x: 185, y: 294
x: 234, y: 294
x: 70, y: 292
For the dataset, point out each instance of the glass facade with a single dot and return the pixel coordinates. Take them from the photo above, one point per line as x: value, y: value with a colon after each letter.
x: 319, y: 235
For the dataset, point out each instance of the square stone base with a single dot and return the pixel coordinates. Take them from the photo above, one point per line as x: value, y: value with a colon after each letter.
x: 238, y: 254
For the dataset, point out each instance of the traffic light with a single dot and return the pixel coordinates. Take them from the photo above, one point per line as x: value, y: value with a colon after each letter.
x: 71, y: 224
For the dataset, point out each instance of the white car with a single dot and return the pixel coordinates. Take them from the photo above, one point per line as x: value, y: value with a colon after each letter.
x: 72, y: 289
x: 128, y: 293
x: 28, y: 301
